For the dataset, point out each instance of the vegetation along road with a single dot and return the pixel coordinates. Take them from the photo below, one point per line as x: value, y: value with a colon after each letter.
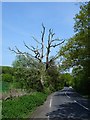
x: 64, y: 104
x: 46, y: 66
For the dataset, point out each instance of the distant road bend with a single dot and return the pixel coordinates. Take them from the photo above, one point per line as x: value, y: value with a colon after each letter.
x: 65, y: 104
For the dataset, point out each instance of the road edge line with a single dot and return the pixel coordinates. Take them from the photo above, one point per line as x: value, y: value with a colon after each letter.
x: 50, y: 102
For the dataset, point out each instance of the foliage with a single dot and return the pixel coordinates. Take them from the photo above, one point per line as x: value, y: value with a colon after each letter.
x: 7, y: 77
x: 76, y: 53
x: 22, y: 107
x: 5, y: 86
x: 80, y: 81
x: 0, y: 70
x: 7, y: 70
x: 28, y: 78
x: 27, y: 73
x: 53, y: 81
x: 32, y: 73
x: 0, y: 86
x: 67, y: 79
x: 21, y: 62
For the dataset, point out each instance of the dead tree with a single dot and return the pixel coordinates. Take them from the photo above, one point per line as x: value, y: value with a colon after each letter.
x: 51, y: 43
x: 39, y: 52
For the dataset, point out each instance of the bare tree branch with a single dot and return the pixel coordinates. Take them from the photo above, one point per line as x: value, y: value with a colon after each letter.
x: 54, y: 58
x: 13, y: 50
x: 55, y: 40
x: 42, y: 39
x: 39, y: 53
x: 36, y: 40
x: 57, y: 44
x: 36, y: 51
x: 28, y: 47
x: 17, y: 51
x: 33, y: 48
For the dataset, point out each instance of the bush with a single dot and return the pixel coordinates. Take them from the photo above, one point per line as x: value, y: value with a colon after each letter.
x: 7, y: 77
x: 28, y: 78
x: 7, y: 70
x: 5, y: 86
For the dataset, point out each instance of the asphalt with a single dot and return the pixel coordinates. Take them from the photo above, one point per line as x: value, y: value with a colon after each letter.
x: 65, y: 104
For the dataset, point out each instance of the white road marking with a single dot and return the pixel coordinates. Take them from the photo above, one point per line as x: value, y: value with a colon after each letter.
x: 50, y: 102
x: 75, y: 101
x: 48, y: 117
x: 78, y: 102
x: 50, y: 106
x: 81, y: 105
x: 67, y: 95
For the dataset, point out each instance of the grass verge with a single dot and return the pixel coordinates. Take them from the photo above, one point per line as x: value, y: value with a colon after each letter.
x: 0, y: 109
x: 21, y: 107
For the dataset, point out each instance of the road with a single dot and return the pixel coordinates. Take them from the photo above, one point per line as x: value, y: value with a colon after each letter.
x: 65, y: 104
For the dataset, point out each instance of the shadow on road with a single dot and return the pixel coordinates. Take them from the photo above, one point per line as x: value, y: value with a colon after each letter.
x: 75, y: 96
x: 69, y: 111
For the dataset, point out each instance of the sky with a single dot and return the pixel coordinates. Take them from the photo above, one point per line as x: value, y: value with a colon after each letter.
x: 44, y: 0
x: 22, y: 20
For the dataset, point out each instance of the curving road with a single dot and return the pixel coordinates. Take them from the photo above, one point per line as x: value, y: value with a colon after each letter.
x: 65, y: 104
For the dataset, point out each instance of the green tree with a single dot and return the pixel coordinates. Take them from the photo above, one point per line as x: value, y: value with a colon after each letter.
x: 53, y: 82
x: 76, y: 52
x: 27, y: 73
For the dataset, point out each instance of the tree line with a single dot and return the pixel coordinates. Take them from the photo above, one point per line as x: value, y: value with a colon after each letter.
x: 76, y: 52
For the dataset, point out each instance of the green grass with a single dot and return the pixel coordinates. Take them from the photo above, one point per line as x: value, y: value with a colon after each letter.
x: 5, y: 86
x: 0, y: 108
x: 22, y: 107
x: 0, y: 86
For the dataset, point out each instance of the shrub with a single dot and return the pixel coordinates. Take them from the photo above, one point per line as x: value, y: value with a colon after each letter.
x: 7, y: 77
x: 7, y: 70
x: 22, y: 107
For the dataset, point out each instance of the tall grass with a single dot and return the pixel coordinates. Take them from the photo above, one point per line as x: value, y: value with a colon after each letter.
x: 21, y: 107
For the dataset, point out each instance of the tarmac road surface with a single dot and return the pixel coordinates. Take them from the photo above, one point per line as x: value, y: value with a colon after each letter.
x: 65, y: 104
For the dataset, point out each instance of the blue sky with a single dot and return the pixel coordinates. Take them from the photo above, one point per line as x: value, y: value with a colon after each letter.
x: 22, y: 20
